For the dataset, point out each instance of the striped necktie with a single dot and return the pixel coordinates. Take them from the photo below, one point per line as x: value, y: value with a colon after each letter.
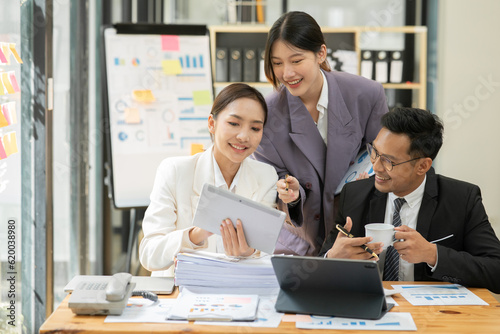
x: 391, y: 266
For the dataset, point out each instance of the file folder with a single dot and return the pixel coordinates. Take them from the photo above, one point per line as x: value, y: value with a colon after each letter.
x: 249, y: 65
x: 221, y: 65
x: 347, y: 61
x: 381, y: 67
x: 367, y: 64
x: 235, y: 65
x: 245, y: 11
x: 396, y: 67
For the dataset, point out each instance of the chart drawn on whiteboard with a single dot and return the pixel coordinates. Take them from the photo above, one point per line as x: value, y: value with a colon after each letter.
x: 159, y: 96
x: 159, y: 87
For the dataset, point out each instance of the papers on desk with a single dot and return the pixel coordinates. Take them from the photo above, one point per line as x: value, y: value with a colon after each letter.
x: 452, y: 294
x: 211, y: 307
x: 390, y: 321
x: 216, y: 270
x: 266, y: 316
x: 140, y: 310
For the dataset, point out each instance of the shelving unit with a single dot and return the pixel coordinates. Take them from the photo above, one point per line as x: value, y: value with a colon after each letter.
x: 345, y: 38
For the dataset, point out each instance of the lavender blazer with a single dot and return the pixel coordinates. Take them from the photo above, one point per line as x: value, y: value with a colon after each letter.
x: 293, y: 145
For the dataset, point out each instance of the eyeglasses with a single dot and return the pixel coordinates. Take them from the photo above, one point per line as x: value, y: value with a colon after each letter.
x: 386, y: 162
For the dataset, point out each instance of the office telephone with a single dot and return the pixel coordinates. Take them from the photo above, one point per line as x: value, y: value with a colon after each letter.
x: 108, y: 296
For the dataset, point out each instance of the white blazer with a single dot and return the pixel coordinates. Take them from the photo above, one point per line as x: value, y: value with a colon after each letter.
x: 176, y: 190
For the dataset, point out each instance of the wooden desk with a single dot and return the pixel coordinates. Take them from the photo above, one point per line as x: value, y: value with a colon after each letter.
x: 429, y: 319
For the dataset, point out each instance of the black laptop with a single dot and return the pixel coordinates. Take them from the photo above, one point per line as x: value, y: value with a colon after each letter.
x: 329, y: 287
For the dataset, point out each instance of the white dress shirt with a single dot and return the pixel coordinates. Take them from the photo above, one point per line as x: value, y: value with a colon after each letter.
x: 322, y: 107
x: 409, y: 216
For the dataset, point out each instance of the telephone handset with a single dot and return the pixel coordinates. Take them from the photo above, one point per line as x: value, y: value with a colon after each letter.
x: 117, y: 287
x: 98, y: 297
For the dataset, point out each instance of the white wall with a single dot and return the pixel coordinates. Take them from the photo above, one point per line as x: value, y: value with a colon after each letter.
x: 468, y: 96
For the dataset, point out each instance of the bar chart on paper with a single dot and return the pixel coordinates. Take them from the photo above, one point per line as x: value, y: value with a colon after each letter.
x: 452, y: 294
x: 390, y: 321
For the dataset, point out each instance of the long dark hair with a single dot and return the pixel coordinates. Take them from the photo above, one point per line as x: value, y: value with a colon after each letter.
x: 298, y: 29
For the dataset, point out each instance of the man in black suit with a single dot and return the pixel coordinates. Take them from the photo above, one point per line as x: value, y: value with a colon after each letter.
x: 444, y: 235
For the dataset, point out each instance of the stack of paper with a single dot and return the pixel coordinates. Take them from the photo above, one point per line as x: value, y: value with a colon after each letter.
x: 203, y: 271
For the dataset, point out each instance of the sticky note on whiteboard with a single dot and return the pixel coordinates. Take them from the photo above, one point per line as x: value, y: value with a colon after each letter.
x: 143, y: 96
x: 132, y: 116
x: 13, y: 81
x: 12, y: 47
x: 202, y: 97
x: 3, y: 59
x: 3, y: 119
x: 10, y: 143
x: 171, y: 66
x: 9, y: 110
x: 196, y: 148
x: 6, y: 52
x: 170, y: 43
x: 7, y: 84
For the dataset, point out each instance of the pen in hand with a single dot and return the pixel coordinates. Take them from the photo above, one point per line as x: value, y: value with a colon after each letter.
x: 349, y: 235
x: 286, y: 182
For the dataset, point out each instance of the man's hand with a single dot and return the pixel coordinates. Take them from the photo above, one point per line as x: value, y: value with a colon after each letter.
x: 350, y: 248
x: 414, y: 248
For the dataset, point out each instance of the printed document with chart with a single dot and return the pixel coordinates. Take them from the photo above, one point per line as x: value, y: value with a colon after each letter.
x: 442, y: 294
x: 214, y: 307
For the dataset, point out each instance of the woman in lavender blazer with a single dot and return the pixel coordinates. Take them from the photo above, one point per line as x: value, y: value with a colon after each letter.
x: 317, y: 122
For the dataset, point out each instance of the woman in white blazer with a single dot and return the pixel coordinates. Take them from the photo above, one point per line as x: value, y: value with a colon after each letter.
x: 236, y: 125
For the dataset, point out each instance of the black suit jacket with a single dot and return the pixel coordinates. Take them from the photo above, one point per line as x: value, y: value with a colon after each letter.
x: 470, y: 258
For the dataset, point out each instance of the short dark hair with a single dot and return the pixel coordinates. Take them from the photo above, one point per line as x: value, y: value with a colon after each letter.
x: 234, y: 92
x: 424, y: 129
x: 298, y: 29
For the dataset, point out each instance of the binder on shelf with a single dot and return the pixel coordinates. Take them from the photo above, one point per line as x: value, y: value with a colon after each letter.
x: 235, y: 65
x: 262, y: 71
x: 367, y: 64
x: 249, y: 65
x: 259, y: 11
x: 396, y: 67
x: 245, y: 8
x: 390, y: 96
x: 232, y: 14
x: 221, y: 65
x: 347, y: 61
x: 381, y: 67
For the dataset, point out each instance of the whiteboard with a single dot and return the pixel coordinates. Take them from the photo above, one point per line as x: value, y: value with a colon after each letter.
x: 158, y: 95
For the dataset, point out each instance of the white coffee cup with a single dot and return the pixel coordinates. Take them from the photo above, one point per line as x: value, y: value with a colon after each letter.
x: 380, y: 233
